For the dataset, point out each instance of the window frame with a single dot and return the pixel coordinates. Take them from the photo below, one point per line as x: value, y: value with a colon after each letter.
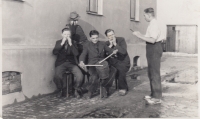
x: 135, y: 9
x: 99, y: 8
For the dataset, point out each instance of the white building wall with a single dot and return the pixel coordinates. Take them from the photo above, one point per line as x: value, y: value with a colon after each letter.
x: 178, y: 12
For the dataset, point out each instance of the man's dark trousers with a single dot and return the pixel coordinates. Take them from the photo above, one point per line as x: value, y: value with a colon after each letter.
x: 60, y: 71
x: 94, y: 79
x: 122, y: 68
x: 154, y: 54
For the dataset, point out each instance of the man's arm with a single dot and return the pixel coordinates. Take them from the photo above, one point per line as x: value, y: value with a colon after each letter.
x: 74, y: 49
x: 57, y: 48
x: 147, y: 39
x: 81, y: 33
x: 152, y: 34
x: 108, y: 49
x: 83, y: 54
x: 122, y: 47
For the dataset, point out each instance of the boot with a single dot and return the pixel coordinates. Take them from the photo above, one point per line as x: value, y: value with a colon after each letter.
x: 105, y: 92
x: 59, y: 93
x: 64, y: 92
x: 89, y: 95
x: 77, y: 95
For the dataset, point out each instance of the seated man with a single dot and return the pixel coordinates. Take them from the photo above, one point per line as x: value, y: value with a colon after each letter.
x: 95, y: 51
x: 66, y: 61
x: 120, y: 61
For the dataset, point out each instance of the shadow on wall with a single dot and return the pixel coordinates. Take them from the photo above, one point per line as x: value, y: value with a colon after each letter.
x: 87, y: 27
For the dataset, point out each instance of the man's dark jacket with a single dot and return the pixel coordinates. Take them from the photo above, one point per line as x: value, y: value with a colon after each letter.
x: 78, y: 34
x: 122, y: 54
x: 93, y: 52
x: 65, y: 55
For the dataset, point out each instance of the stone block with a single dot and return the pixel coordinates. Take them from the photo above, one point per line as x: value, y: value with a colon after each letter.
x: 15, y: 84
x: 186, y: 76
x: 5, y: 89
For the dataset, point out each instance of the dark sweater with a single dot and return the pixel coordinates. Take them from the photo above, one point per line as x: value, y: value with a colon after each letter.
x: 65, y: 55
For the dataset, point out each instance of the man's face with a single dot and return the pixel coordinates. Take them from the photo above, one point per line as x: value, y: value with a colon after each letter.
x: 94, y: 38
x: 147, y: 17
x: 66, y: 34
x: 110, y: 35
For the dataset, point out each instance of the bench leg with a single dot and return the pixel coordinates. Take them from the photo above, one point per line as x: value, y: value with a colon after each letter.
x: 100, y: 88
x: 116, y: 84
x: 67, y: 86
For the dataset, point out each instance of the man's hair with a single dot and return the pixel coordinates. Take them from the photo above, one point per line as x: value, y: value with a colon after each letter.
x: 94, y: 32
x: 66, y: 29
x: 108, y: 30
x: 149, y: 11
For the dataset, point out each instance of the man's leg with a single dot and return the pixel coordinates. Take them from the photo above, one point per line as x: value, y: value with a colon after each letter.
x: 59, y: 75
x: 122, y: 69
x: 149, y: 58
x: 78, y: 79
x: 93, y: 82
x: 121, y: 76
x: 107, y: 83
x: 155, y: 79
x: 155, y: 72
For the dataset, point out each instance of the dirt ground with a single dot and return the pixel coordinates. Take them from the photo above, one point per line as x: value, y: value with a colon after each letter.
x: 180, y: 97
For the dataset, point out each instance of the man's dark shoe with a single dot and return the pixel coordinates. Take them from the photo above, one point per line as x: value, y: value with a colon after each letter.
x: 59, y: 93
x: 89, y: 95
x: 64, y: 93
x: 78, y: 94
x: 105, y: 92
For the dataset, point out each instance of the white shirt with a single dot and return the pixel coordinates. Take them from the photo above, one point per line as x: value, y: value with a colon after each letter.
x: 153, y: 31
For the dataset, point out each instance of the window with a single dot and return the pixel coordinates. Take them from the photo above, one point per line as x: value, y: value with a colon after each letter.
x: 95, y: 7
x: 134, y: 10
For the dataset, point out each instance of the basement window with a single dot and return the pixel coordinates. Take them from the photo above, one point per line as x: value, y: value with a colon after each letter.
x: 11, y: 82
x: 95, y: 7
x: 136, y: 61
x: 134, y: 10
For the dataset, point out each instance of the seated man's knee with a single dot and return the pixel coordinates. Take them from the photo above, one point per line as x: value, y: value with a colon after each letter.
x: 94, y: 77
x: 77, y: 73
x: 58, y: 76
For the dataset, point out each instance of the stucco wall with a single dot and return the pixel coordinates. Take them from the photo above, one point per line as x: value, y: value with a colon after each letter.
x: 37, y: 69
x: 31, y: 28
x: 39, y: 22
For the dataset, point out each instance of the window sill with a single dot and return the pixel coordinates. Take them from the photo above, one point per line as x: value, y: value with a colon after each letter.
x: 132, y: 19
x: 94, y: 14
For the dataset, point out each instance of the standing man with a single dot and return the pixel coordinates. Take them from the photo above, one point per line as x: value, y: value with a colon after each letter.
x: 120, y: 61
x: 153, y: 53
x: 66, y: 53
x: 79, y: 38
x: 77, y: 32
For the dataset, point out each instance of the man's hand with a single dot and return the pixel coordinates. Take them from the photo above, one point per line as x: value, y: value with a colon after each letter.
x: 82, y: 65
x: 115, y: 51
x: 111, y: 44
x: 114, y: 41
x: 137, y: 33
x: 63, y: 41
x: 69, y: 41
